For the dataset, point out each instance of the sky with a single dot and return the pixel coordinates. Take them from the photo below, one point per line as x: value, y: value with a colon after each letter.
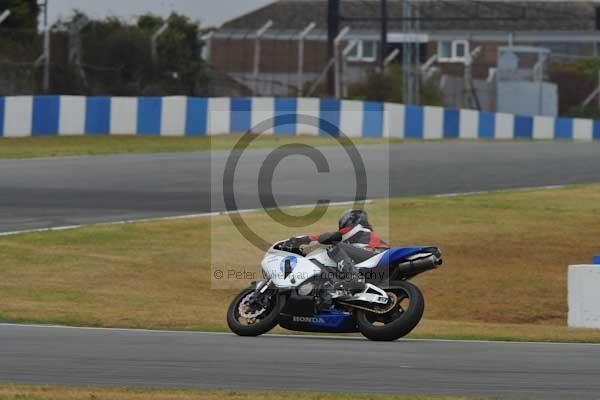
x: 208, y: 12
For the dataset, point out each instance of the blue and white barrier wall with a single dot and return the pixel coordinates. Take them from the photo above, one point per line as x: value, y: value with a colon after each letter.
x: 192, y: 116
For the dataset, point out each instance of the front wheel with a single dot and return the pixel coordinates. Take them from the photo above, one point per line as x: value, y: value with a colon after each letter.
x: 252, y: 313
x: 400, y: 320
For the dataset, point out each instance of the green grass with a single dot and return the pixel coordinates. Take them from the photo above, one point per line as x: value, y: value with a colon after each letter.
x: 22, y: 392
x: 504, y: 275
x: 98, y: 145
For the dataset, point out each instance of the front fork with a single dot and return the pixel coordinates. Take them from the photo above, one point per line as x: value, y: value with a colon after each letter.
x: 262, y: 286
x: 259, y: 297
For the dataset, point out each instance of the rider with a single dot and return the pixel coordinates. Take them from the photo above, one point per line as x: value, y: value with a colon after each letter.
x: 355, y: 242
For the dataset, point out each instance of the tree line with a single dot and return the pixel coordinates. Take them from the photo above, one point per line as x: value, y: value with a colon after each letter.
x: 103, y: 57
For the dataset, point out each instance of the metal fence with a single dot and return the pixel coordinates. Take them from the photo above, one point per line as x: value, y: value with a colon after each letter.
x: 264, y: 62
x: 285, y: 63
x: 296, y: 63
x: 20, y: 61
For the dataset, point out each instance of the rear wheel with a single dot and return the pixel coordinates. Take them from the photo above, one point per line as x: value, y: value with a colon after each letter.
x: 400, y: 320
x: 252, y: 313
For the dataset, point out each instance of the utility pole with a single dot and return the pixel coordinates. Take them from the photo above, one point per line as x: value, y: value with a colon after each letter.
x: 410, y: 53
x: 384, y: 32
x: 5, y: 14
x: 338, y: 61
x: 153, y: 46
x: 333, y: 28
x: 46, y: 50
x: 416, y: 14
x: 301, y: 38
x: 257, y: 48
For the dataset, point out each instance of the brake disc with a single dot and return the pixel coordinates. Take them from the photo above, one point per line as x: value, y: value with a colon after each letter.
x: 246, y: 310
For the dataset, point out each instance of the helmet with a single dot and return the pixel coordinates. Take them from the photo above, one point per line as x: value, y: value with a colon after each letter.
x: 354, y: 217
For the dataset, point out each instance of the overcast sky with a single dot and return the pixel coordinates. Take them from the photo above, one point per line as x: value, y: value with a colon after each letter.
x: 208, y: 12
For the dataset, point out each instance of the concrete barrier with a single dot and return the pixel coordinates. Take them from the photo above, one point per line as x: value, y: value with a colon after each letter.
x: 192, y: 116
x: 584, y: 296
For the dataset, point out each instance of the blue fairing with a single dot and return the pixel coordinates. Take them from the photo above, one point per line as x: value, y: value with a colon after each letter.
x: 398, y: 254
x: 336, y: 320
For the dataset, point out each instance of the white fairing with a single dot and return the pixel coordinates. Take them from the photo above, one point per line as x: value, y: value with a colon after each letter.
x: 273, y: 266
x: 321, y: 256
x: 302, y: 268
x: 371, y: 262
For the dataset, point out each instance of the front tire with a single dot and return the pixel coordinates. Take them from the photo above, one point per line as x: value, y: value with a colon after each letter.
x: 262, y: 323
x: 399, y: 321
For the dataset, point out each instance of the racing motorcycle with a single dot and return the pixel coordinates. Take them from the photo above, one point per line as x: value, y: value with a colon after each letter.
x: 299, y: 294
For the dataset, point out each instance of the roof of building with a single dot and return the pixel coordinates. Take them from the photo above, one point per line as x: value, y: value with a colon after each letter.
x: 434, y: 15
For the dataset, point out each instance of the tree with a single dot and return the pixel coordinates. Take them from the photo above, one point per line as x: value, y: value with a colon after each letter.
x: 24, y: 14
x: 389, y: 87
x: 576, y: 79
x: 117, y: 56
x: 180, y: 68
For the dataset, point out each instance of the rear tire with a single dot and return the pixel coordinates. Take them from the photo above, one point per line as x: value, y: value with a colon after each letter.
x: 267, y: 321
x: 398, y: 322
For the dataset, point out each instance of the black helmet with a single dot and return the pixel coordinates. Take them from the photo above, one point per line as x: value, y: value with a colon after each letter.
x: 353, y: 218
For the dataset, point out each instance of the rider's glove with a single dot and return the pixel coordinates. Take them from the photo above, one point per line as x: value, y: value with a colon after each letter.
x: 295, y: 243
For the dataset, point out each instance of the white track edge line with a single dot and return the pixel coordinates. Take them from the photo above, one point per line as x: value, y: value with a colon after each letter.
x: 281, y: 335
x: 216, y: 213
x: 170, y: 218
x: 521, y: 189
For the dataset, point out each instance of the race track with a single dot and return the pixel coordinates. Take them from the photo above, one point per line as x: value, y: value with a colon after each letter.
x: 99, y: 357
x: 51, y: 192
x: 54, y: 192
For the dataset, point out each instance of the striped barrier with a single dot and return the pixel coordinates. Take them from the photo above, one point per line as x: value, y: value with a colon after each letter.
x: 193, y: 116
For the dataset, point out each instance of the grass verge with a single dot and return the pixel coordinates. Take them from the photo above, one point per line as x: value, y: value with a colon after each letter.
x: 21, y: 392
x: 98, y: 145
x: 504, y: 275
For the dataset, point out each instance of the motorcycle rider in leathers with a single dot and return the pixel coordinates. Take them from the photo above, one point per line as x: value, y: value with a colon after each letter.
x: 354, y: 240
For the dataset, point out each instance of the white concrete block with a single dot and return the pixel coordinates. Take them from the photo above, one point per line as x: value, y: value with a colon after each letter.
x: 72, y: 115
x: 469, y: 124
x: 310, y: 107
x: 263, y: 109
x: 219, y: 115
x: 584, y: 296
x: 393, y: 120
x: 505, y: 126
x: 543, y: 127
x: 172, y: 122
x: 18, y: 113
x: 433, y: 124
x: 583, y: 129
x: 123, y: 115
x: 351, y: 118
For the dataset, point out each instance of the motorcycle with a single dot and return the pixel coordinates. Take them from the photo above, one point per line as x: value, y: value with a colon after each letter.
x: 298, y: 292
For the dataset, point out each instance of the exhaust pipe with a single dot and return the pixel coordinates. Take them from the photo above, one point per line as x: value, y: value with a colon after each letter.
x: 420, y: 265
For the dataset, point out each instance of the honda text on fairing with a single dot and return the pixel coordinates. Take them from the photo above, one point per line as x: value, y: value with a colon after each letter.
x: 298, y: 293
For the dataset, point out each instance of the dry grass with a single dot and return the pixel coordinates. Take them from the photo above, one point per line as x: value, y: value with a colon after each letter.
x: 14, y: 392
x: 504, y: 273
x: 96, y: 145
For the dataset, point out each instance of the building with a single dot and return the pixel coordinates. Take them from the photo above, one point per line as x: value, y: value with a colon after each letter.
x: 450, y: 34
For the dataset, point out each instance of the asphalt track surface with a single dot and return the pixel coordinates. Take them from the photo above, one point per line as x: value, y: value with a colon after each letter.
x: 54, y: 192
x: 99, y: 357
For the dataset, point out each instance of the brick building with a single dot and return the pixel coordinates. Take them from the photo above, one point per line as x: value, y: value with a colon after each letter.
x: 449, y: 31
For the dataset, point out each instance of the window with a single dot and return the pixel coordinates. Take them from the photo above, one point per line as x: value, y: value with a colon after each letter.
x: 459, y: 51
x: 445, y: 50
x: 453, y: 51
x: 369, y: 51
x: 353, y: 54
x: 364, y: 50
